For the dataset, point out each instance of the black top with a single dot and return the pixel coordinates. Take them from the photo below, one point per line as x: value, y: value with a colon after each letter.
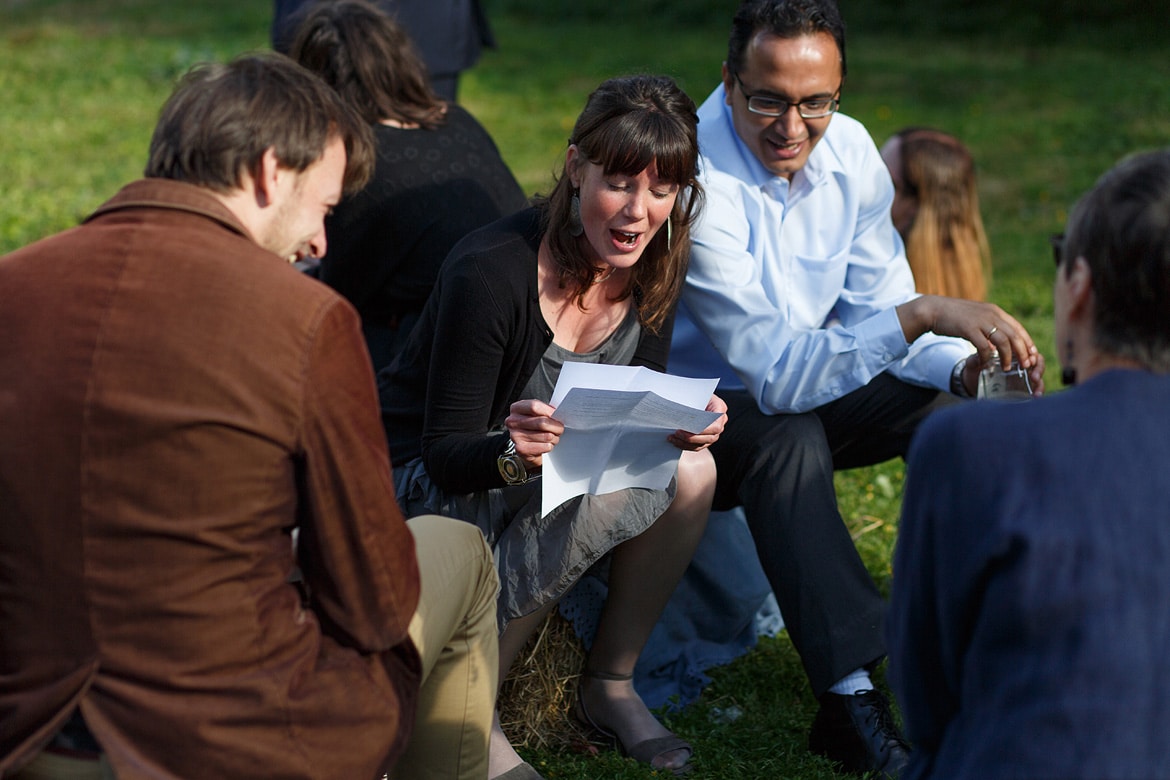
x: 430, y: 188
x: 477, y: 343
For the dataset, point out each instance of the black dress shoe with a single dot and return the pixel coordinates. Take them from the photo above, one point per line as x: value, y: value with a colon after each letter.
x: 859, y: 733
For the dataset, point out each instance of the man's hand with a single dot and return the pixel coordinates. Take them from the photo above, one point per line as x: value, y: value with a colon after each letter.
x: 985, y: 325
x: 974, y: 364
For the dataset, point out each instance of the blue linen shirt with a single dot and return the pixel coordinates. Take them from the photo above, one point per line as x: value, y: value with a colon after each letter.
x: 792, y: 286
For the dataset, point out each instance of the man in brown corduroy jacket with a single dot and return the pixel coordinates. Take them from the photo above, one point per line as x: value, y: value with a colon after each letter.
x: 175, y: 400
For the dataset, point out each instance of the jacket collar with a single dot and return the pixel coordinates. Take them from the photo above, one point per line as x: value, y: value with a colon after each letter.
x: 173, y: 195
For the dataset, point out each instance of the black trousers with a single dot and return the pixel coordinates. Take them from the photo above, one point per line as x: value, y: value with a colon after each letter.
x: 780, y: 469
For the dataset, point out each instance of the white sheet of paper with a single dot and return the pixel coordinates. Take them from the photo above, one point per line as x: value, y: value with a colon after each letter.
x: 617, y: 419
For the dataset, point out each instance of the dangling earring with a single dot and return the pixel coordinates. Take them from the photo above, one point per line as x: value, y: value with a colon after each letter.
x: 576, y: 227
x: 668, y: 235
x: 1068, y: 374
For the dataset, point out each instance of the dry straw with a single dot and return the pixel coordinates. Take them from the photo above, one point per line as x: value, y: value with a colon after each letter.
x: 538, y: 694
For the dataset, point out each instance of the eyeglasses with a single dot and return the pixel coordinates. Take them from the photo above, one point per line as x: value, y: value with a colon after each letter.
x: 1057, y: 242
x: 813, y: 108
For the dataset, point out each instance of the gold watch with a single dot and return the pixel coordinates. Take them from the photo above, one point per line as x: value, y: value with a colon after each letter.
x: 511, y: 465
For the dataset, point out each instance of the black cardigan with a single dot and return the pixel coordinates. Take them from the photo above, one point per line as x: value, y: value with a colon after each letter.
x: 478, y: 341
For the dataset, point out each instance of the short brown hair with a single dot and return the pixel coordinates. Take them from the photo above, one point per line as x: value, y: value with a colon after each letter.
x: 220, y: 120
x: 1121, y: 228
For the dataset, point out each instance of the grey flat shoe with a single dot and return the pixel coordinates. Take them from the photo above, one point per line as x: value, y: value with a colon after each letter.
x: 522, y: 771
x: 643, y: 752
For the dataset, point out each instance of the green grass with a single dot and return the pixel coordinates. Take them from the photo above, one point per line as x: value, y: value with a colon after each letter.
x: 1047, y: 95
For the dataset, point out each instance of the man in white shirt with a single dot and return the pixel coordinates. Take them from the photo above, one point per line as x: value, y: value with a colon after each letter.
x: 799, y: 297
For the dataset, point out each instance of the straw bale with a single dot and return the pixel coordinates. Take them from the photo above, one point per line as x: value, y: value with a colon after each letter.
x: 537, y: 696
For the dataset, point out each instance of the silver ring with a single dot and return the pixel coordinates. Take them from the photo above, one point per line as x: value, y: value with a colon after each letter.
x: 992, y: 332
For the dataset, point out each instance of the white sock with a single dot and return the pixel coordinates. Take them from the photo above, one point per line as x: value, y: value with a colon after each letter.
x: 855, y: 681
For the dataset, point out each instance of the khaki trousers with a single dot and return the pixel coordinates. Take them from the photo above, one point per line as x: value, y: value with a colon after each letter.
x: 454, y: 629
x: 53, y: 766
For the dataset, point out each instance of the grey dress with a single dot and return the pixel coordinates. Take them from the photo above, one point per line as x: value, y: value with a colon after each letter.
x: 539, y: 558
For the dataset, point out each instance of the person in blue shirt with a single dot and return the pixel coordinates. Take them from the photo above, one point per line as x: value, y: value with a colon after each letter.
x: 800, y: 299
x: 1028, y: 626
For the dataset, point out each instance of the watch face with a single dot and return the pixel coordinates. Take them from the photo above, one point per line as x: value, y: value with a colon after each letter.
x: 512, y: 469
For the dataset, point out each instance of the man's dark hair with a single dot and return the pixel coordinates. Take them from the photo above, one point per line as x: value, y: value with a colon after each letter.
x: 784, y: 19
x: 222, y: 118
x: 1122, y: 229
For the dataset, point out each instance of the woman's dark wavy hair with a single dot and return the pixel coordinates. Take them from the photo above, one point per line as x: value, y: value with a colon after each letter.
x: 1121, y: 228
x: 628, y: 123
x: 220, y: 120
x: 370, y: 60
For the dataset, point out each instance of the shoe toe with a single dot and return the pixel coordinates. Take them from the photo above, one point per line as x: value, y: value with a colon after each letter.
x: 859, y: 733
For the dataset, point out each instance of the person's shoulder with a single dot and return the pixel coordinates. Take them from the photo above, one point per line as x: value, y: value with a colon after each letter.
x: 845, y: 128
x: 939, y: 426
x: 849, y: 142
x: 461, y: 121
x: 490, y: 274
x: 717, y: 136
x: 521, y: 227
x: 57, y: 243
x: 982, y: 426
x: 457, y: 120
x: 723, y: 182
x: 958, y: 444
x: 711, y: 107
x: 498, y: 246
x: 725, y: 168
x: 458, y: 116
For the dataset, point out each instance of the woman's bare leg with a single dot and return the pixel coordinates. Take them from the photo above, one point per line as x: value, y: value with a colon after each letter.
x: 643, y: 574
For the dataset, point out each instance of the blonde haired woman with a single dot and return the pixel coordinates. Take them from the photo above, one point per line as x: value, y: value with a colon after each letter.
x: 936, y: 209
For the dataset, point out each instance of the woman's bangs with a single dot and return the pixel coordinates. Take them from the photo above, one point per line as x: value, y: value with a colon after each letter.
x: 628, y: 146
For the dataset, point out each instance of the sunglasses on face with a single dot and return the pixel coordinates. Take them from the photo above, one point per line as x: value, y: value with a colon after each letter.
x: 1057, y: 242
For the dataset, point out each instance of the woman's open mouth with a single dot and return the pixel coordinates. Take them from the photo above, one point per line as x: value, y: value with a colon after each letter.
x: 624, y: 238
